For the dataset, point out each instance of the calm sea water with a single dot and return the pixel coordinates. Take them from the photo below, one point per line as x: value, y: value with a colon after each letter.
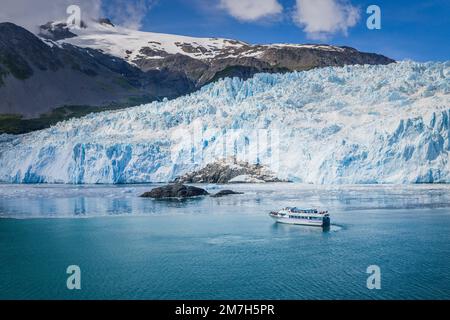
x: 224, y: 248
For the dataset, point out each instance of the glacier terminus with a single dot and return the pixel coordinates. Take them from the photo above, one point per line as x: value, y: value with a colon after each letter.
x: 365, y: 124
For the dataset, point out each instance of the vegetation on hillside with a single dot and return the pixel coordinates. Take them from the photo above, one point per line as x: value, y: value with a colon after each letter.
x: 16, y: 124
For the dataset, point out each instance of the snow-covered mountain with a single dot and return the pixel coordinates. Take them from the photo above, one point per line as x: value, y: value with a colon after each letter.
x: 130, y: 44
x: 203, y: 60
x: 353, y: 124
x: 38, y: 76
x: 133, y: 45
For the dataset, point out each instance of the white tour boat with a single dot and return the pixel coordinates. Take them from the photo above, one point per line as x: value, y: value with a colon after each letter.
x: 307, y: 217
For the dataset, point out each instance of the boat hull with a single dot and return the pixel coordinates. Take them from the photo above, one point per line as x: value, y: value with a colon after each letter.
x: 303, y: 222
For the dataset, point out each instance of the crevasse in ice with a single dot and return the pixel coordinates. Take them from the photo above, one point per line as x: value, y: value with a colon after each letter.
x: 355, y: 124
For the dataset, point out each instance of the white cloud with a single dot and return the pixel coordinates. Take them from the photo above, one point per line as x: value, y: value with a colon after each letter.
x: 251, y: 10
x: 31, y: 14
x: 322, y: 18
x: 128, y: 13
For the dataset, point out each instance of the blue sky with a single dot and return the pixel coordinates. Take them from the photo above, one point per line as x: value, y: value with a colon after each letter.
x: 418, y: 30
x: 411, y: 29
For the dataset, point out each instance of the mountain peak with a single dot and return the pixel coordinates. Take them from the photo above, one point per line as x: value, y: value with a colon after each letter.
x: 106, y: 21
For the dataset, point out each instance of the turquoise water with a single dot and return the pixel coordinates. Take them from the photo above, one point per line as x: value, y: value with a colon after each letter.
x: 224, y: 248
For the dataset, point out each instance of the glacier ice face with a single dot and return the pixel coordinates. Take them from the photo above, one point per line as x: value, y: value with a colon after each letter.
x: 356, y: 124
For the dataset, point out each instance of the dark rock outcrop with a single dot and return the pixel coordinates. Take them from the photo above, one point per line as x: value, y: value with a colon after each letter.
x: 223, y: 193
x: 272, y: 59
x: 106, y: 21
x: 55, y: 32
x: 175, y: 191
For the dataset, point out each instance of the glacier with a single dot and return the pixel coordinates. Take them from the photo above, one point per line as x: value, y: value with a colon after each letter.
x: 348, y: 125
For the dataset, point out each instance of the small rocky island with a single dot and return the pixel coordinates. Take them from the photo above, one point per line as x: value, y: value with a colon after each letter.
x: 177, y: 190
x: 223, y: 193
x: 223, y: 172
x: 181, y: 191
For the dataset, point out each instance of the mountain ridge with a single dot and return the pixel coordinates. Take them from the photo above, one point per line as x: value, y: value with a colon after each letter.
x: 209, y: 56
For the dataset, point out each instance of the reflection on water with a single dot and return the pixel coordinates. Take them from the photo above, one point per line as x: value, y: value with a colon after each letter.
x: 299, y: 229
x: 23, y: 201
